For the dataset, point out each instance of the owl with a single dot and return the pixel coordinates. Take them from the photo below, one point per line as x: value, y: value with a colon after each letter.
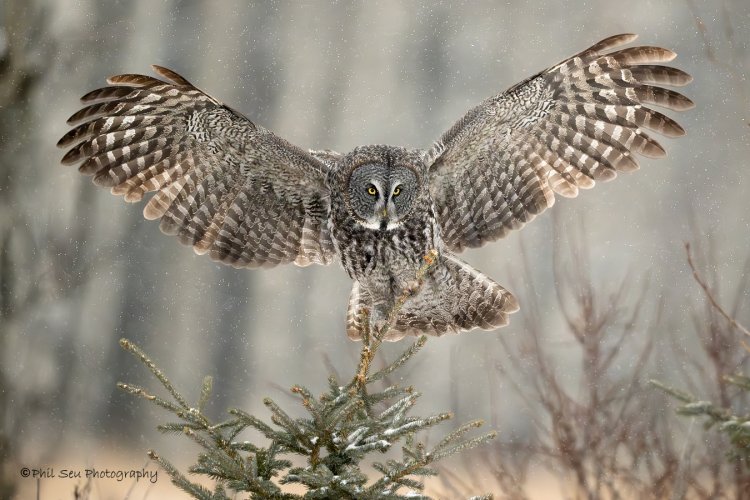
x: 246, y: 197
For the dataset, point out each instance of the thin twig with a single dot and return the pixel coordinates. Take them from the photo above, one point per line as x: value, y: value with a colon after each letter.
x: 710, y: 295
x: 373, y: 340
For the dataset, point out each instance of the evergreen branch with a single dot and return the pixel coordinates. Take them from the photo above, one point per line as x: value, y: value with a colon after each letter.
x: 677, y: 394
x: 137, y: 352
x: 227, y: 424
x: 192, y: 489
x: 206, y: 387
x: 216, y: 467
x: 333, y: 386
x: 394, y: 473
x: 233, y: 427
x: 692, y: 406
x: 705, y: 408
x: 739, y: 380
x: 281, y: 418
x: 307, y: 396
x: 294, y: 436
x: 415, y: 425
x: 245, y: 446
x: 142, y: 393
x: 194, y: 416
x: 373, y: 445
x: 462, y: 446
x: 254, y: 422
x: 389, y: 393
x: 215, y: 443
x: 310, y: 403
x: 737, y: 428
x: 412, y: 484
x: 406, y: 356
x: 457, y: 434
x: 345, y: 411
x: 176, y: 427
x: 415, y: 455
x: 400, y: 406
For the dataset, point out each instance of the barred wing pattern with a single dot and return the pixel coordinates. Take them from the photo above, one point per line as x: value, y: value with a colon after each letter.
x: 562, y: 129
x: 224, y: 185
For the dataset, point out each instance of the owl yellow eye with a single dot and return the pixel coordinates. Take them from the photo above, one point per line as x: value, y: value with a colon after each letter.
x: 372, y: 190
x: 397, y: 191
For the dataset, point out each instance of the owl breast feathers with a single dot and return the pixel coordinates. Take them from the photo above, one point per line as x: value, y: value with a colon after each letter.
x: 248, y: 198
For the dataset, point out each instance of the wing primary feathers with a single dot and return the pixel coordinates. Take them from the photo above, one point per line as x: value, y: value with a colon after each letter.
x: 213, y: 172
x: 107, y: 94
x: 577, y: 122
x: 171, y: 75
x: 663, y: 97
x: 133, y: 80
x: 610, y: 43
x: 660, y: 75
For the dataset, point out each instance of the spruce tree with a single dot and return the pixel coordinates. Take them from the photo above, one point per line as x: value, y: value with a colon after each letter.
x: 343, y: 429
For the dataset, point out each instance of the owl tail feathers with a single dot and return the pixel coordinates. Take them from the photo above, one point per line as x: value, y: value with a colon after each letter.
x: 455, y: 298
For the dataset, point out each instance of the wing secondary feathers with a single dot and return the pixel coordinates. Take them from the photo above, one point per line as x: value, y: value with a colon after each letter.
x: 221, y: 184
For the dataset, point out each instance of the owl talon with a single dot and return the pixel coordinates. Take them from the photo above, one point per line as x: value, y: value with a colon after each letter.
x: 411, y: 288
x: 380, y: 326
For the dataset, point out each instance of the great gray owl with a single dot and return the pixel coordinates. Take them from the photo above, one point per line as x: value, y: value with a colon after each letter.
x: 248, y: 198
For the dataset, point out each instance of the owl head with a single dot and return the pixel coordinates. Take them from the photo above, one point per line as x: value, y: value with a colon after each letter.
x: 384, y: 183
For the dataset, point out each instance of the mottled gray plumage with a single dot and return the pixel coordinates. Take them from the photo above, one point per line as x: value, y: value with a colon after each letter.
x: 248, y: 198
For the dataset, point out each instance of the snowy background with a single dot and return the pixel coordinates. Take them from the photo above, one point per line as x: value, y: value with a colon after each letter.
x: 81, y: 269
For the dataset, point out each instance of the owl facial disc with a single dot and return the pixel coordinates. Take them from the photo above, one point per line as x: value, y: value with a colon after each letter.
x: 381, y: 195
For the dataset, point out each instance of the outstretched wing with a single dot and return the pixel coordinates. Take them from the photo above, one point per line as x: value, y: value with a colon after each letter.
x: 563, y: 129
x: 224, y: 185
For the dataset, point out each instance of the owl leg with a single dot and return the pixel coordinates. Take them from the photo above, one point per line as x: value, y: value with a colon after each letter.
x: 376, y: 305
x: 379, y: 313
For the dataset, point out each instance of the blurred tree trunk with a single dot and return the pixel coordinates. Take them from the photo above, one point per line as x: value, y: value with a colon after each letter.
x: 140, y: 293
x: 22, y: 65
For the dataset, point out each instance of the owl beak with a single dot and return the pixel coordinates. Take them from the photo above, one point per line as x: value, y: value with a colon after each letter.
x: 384, y: 213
